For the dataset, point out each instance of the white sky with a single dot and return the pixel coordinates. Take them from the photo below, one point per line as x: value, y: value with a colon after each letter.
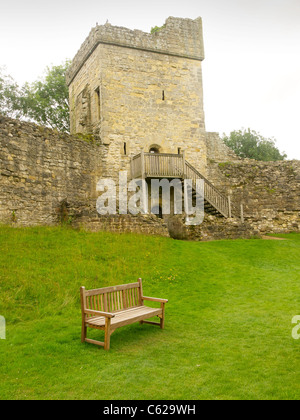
x: 251, y: 72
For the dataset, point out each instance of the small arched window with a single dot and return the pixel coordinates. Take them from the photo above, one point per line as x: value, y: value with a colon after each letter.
x: 154, y: 149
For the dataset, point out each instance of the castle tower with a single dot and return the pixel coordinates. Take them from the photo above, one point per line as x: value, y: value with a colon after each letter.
x: 134, y: 90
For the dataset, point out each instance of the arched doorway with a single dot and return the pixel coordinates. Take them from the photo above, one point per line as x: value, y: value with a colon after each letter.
x: 155, y: 148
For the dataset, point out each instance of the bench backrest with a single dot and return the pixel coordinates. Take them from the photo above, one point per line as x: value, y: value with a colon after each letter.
x: 114, y: 298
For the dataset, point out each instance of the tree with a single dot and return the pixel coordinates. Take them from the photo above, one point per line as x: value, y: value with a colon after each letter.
x: 250, y: 144
x: 9, y: 95
x: 44, y: 102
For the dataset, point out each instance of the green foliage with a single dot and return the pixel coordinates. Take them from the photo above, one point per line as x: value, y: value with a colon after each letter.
x: 157, y: 29
x: 250, y: 144
x: 9, y: 95
x: 44, y: 101
x: 228, y: 317
x: 223, y: 164
x: 13, y: 217
x: 89, y: 138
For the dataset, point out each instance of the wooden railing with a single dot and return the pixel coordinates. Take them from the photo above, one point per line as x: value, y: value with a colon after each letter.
x: 167, y: 165
x: 211, y: 194
x: 136, y: 166
x: 157, y: 165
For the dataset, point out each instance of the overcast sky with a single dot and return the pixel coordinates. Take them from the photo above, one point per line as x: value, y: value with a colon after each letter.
x: 251, y: 72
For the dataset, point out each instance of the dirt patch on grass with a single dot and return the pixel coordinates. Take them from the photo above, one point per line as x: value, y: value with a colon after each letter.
x: 273, y: 238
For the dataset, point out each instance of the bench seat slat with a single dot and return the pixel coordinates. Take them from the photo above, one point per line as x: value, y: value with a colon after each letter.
x: 128, y: 316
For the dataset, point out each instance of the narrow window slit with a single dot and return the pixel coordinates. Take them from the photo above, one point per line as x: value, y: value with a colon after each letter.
x: 97, y: 94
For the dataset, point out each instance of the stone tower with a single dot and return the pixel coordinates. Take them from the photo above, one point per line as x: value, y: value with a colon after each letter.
x: 134, y: 90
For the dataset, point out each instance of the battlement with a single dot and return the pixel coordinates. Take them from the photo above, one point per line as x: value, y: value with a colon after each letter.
x: 178, y: 37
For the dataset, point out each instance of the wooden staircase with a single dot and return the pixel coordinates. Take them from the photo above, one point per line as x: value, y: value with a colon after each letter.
x: 166, y: 165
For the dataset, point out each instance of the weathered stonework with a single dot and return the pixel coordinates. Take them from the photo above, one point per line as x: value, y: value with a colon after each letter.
x: 40, y: 170
x: 217, y: 151
x: 268, y: 191
x: 124, y: 223
x: 48, y: 177
x: 133, y: 91
x: 136, y: 90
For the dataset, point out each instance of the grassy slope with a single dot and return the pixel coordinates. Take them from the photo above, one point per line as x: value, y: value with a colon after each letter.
x: 228, y: 320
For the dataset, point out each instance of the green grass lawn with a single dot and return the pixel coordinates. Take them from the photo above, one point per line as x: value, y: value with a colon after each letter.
x: 228, y: 332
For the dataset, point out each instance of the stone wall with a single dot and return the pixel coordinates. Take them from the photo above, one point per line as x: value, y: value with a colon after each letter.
x: 43, y: 173
x: 269, y: 192
x: 47, y: 177
x: 217, y: 151
x: 124, y: 223
x: 135, y: 90
x: 212, y: 228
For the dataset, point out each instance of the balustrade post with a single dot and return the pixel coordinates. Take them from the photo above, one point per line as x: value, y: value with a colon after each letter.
x: 143, y: 163
x: 145, y: 190
x: 242, y: 213
x: 229, y: 206
x: 131, y: 167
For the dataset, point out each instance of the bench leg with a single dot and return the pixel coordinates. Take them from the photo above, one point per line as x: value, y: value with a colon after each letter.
x: 162, y: 319
x: 83, y: 332
x: 107, y: 334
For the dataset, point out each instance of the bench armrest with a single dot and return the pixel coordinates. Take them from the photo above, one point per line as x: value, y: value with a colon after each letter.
x: 154, y: 299
x: 99, y: 313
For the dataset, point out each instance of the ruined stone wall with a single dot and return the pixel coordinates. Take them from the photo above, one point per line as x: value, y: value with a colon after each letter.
x: 124, y: 223
x: 44, y: 175
x: 217, y: 151
x: 269, y: 192
x: 136, y: 90
x: 212, y: 228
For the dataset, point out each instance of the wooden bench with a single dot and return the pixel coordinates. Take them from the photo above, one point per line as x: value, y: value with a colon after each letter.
x: 112, y: 307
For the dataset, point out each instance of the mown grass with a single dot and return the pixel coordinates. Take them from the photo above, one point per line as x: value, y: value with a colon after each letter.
x: 228, y: 320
